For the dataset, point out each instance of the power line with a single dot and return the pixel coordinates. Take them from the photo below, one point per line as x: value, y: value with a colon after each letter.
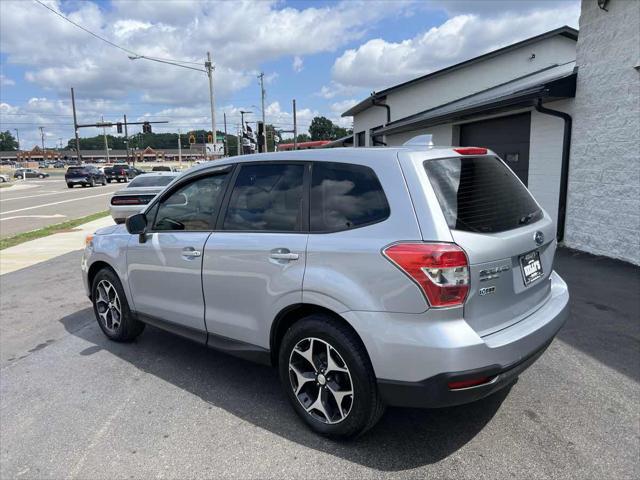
x: 115, y: 45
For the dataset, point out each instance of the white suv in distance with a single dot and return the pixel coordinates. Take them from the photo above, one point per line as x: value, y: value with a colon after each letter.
x: 368, y: 277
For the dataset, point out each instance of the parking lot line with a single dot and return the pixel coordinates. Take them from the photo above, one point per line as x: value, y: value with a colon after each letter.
x: 55, y: 203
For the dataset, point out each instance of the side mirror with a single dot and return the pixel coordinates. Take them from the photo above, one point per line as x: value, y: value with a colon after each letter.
x: 136, y: 224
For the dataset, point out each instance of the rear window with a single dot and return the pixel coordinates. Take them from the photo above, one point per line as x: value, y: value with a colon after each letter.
x: 151, y: 181
x: 76, y: 170
x: 481, y: 194
x: 345, y: 196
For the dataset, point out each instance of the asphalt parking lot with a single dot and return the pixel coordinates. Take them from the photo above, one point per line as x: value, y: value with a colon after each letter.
x: 74, y: 405
x: 33, y: 204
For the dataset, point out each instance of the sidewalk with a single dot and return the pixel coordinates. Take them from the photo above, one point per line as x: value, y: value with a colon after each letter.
x: 45, y: 248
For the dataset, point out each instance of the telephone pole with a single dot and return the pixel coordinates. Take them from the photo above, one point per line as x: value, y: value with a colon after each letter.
x: 264, y: 125
x: 17, y: 138
x: 75, y: 125
x: 180, y: 148
x: 295, y: 127
x: 104, y: 134
x: 209, y: 67
x: 42, y: 139
x: 224, y: 143
x: 126, y: 140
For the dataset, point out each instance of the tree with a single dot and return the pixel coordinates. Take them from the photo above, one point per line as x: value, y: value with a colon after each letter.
x: 7, y: 142
x: 321, y: 128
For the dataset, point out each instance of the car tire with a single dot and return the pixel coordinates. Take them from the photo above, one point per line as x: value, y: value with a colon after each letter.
x: 341, y: 415
x: 111, y: 308
x: 109, y: 181
x: 41, y: 176
x: 19, y: 177
x: 69, y: 185
x: 104, y: 182
x: 92, y: 183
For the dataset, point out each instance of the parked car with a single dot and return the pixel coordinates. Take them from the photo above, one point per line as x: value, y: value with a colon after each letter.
x: 118, y: 173
x: 85, y: 175
x: 3, y: 178
x: 428, y: 275
x: 162, y: 168
x: 140, y: 191
x: 7, y: 163
x: 21, y: 173
x: 59, y: 164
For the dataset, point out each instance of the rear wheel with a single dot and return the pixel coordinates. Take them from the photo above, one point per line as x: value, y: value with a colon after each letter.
x: 92, y: 183
x: 108, y: 180
x: 111, y: 308
x: 19, y: 177
x: 40, y: 176
x: 69, y: 185
x: 328, y: 377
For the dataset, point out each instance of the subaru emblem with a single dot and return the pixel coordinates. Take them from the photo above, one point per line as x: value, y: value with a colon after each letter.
x: 539, y: 237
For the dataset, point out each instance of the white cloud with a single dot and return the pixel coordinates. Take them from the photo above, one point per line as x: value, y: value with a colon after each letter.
x: 378, y: 63
x: 297, y: 64
x: 6, y: 81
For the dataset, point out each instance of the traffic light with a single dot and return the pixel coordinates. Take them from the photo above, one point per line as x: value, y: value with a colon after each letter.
x: 192, y: 139
x: 261, y: 146
x: 146, y: 127
x: 209, y: 138
x: 119, y: 127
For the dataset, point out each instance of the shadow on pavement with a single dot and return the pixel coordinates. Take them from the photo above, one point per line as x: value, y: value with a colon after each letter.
x: 605, y: 309
x: 404, y: 438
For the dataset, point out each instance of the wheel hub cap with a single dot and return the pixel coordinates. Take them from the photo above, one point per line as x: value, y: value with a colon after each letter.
x: 108, y: 306
x: 321, y: 380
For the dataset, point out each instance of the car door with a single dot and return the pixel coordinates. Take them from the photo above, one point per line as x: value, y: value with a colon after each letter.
x: 165, y: 269
x: 254, y: 262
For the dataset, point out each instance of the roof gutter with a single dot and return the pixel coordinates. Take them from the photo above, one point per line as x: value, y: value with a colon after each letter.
x: 375, y: 103
x: 564, y: 172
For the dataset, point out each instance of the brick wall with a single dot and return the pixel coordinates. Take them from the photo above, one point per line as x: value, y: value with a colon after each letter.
x: 603, y: 208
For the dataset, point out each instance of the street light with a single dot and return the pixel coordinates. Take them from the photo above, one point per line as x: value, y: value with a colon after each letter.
x: 208, y: 69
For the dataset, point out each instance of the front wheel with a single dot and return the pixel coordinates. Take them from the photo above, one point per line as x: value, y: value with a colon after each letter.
x: 328, y: 377
x: 40, y: 176
x: 69, y: 185
x: 109, y: 180
x: 92, y: 183
x: 19, y: 177
x: 111, y: 308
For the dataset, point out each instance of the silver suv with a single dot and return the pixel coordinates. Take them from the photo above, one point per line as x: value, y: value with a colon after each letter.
x: 368, y: 277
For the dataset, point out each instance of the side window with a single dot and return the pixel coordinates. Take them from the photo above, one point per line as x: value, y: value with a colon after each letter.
x: 193, y: 206
x: 266, y: 197
x: 345, y: 196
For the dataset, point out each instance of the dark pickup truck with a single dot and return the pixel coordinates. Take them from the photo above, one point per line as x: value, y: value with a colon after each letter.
x: 120, y: 173
x: 85, y: 175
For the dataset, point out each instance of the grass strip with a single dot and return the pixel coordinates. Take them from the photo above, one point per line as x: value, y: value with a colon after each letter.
x: 50, y: 230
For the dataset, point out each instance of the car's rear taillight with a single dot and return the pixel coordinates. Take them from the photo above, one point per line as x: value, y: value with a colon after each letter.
x: 441, y: 270
x: 126, y: 201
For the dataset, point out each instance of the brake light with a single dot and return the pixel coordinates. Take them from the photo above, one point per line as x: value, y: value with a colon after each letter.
x: 471, y: 151
x: 125, y: 201
x: 441, y: 270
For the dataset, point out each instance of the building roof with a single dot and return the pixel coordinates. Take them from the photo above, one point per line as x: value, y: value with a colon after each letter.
x: 565, y: 31
x: 552, y: 83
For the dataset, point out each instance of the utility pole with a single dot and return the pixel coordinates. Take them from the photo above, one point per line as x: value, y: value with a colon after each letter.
x: 75, y: 125
x: 209, y: 67
x: 180, y: 148
x: 264, y: 125
x: 295, y: 127
x: 17, y: 138
x: 104, y: 134
x: 224, y: 143
x: 126, y: 140
x: 239, y: 142
x: 42, y: 139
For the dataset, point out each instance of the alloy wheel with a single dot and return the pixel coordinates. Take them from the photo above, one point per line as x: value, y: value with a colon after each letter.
x: 108, y: 306
x: 321, y: 380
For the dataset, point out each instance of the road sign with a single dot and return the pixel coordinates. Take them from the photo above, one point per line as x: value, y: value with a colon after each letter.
x: 214, y: 148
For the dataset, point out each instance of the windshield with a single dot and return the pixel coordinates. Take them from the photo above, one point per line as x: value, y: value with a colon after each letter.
x: 151, y: 181
x: 481, y: 194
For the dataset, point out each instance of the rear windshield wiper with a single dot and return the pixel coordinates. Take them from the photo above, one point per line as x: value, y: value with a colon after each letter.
x: 527, y: 218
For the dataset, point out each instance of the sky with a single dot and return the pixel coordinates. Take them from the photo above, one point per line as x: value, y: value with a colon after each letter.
x: 328, y: 55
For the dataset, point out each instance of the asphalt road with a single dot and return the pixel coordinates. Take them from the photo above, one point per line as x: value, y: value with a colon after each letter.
x: 37, y: 203
x: 74, y: 405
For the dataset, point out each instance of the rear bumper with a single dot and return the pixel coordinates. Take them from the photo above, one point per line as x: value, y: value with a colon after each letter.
x: 119, y: 213
x: 415, y: 356
x: 76, y: 180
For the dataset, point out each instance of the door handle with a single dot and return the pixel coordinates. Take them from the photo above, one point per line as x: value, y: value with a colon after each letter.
x: 283, y: 254
x: 191, y: 253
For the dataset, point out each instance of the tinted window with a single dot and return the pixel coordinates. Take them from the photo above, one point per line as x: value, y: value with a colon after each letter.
x: 481, y: 194
x: 193, y: 206
x: 345, y: 196
x: 149, y: 180
x: 266, y: 197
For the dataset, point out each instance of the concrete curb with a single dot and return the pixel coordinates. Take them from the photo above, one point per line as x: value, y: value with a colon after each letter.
x: 45, y: 248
